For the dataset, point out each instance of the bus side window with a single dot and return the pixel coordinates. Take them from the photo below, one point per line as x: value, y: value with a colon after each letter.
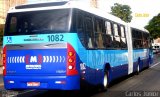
x: 123, y: 37
x: 140, y: 39
x: 108, y: 28
x: 109, y: 37
x: 146, y: 40
x: 137, y: 39
x: 80, y: 28
x: 134, y: 39
x: 116, y: 43
x: 98, y: 33
x: 89, y: 32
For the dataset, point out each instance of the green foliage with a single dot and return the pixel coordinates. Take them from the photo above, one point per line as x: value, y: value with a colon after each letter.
x: 154, y: 26
x: 122, y: 11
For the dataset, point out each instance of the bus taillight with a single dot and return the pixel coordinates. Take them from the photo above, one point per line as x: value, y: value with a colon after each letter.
x: 71, y: 61
x: 4, y: 60
x: 70, y: 53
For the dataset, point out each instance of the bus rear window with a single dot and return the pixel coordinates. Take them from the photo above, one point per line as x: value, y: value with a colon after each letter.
x: 37, y: 22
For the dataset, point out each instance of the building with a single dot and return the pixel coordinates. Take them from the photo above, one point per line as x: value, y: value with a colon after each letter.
x: 2, y: 17
x: 5, y: 5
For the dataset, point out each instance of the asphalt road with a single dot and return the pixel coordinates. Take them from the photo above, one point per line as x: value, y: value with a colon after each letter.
x: 146, y: 84
x: 148, y: 81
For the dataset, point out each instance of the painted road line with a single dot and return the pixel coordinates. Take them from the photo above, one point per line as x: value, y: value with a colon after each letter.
x: 155, y: 65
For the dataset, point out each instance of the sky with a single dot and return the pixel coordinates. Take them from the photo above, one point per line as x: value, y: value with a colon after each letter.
x: 149, y: 7
x: 142, y: 10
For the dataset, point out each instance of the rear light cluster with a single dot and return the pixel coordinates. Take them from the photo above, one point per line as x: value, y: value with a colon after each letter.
x: 71, y: 61
x: 4, y: 60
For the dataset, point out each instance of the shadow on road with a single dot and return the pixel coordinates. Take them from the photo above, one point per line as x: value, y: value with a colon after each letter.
x: 58, y: 93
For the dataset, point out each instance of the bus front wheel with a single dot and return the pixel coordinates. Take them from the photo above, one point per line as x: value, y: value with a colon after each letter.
x: 138, y: 69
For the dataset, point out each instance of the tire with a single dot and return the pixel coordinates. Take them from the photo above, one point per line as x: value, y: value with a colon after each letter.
x: 138, y: 70
x: 105, y: 80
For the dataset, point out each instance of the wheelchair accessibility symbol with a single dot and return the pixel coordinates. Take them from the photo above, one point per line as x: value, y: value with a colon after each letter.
x: 9, y: 39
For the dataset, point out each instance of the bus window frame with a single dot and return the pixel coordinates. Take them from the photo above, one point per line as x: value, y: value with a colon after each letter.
x: 87, y: 17
x: 103, y: 29
x: 140, y: 38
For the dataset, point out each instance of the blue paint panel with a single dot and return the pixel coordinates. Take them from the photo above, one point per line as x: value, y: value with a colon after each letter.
x: 141, y: 53
x: 144, y: 63
x: 96, y: 59
x: 119, y: 71
x: 37, y: 61
x: 92, y: 76
x: 135, y: 64
x: 95, y: 77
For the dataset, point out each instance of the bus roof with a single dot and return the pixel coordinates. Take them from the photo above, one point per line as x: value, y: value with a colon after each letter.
x: 63, y: 5
x: 49, y: 5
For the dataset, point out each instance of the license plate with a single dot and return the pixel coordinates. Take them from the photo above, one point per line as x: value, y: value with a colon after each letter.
x: 33, y: 83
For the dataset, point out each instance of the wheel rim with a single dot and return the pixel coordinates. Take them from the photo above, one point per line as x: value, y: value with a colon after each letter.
x: 138, y: 68
x: 105, y: 81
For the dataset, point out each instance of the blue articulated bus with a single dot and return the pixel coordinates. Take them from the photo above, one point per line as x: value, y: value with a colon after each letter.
x: 60, y: 45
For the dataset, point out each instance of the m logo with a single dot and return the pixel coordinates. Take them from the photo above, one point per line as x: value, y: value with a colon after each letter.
x: 33, y: 59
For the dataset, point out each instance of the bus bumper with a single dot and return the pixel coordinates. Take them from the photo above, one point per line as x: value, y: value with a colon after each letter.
x: 42, y: 82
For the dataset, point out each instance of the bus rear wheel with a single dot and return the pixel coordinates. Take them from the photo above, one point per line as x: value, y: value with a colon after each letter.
x: 105, y: 81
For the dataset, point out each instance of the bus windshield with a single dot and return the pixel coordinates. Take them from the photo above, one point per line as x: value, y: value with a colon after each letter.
x: 37, y: 22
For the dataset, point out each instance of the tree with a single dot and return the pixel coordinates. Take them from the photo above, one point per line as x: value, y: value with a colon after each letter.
x: 154, y: 26
x: 122, y: 11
